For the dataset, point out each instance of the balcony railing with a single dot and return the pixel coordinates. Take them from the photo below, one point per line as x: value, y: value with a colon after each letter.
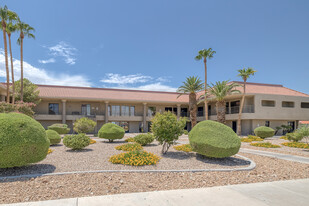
x: 235, y: 110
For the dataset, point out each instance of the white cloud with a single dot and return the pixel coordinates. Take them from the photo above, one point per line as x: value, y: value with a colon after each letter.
x: 136, y: 82
x: 51, y: 60
x: 41, y: 76
x: 112, y: 78
x: 64, y: 50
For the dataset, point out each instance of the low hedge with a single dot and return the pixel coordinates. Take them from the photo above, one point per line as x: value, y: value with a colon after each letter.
x: 111, y: 132
x: 53, y: 137
x: 76, y: 142
x: 60, y: 128
x: 264, y: 132
x: 144, y: 139
x: 22, y: 140
x: 214, y: 139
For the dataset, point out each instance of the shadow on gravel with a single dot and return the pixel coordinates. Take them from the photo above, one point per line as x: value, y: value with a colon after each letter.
x: 151, y: 145
x: 35, y: 169
x: 228, y: 161
x: 56, y: 145
x: 80, y: 151
x: 114, y: 142
x: 178, y: 155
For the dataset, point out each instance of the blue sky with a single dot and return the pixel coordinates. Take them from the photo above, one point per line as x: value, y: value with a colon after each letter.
x: 152, y: 44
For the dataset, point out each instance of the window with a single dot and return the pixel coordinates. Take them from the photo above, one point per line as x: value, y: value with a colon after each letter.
x: 86, y: 109
x: 151, y: 111
x: 169, y: 109
x: 267, y: 123
x: 304, y: 105
x: 184, y: 112
x: 175, y: 110
x: 115, y: 110
x: 200, y: 111
x: 288, y: 104
x: 53, y: 108
x: 125, y: 111
x: 268, y: 103
x: 132, y: 111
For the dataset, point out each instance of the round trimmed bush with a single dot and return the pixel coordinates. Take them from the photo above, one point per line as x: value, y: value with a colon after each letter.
x: 214, y: 139
x: 53, y: 137
x: 22, y: 140
x: 76, y: 142
x: 111, y: 132
x: 60, y: 128
x: 264, y: 132
x: 144, y: 139
x: 84, y: 125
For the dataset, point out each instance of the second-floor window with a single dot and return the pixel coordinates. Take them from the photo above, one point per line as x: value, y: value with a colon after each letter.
x: 115, y: 110
x: 287, y: 104
x: 151, y: 111
x: 132, y: 111
x: 268, y: 103
x: 53, y: 108
x: 184, y: 112
x: 125, y: 111
x: 86, y: 109
x: 200, y: 111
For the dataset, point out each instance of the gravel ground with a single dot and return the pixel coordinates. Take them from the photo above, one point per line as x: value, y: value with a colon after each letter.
x: 283, y: 149
x: 96, y: 156
x: 78, y: 185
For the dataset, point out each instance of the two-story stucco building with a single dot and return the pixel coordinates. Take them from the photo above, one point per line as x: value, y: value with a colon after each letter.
x: 265, y: 104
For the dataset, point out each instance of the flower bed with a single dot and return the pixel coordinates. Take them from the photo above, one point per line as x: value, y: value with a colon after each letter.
x: 130, y: 139
x: 251, y: 138
x: 296, y: 144
x: 265, y: 144
x: 129, y: 147
x: 183, y: 147
x: 135, y: 158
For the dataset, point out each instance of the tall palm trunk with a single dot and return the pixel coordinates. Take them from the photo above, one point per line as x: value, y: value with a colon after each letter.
x: 192, y: 108
x: 21, y: 70
x: 220, y: 106
x: 205, y: 100
x: 6, y: 63
x: 240, y: 110
x: 12, y: 70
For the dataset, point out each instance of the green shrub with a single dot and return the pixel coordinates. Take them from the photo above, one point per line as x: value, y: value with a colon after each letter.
x: 294, y: 137
x: 22, y: 140
x: 19, y: 107
x: 144, y: 139
x: 167, y: 129
x: 264, y: 132
x: 129, y: 147
x: 60, y: 128
x: 214, y: 139
x: 53, y: 137
x: 111, y: 132
x: 185, y: 132
x: 77, y: 141
x: 84, y: 125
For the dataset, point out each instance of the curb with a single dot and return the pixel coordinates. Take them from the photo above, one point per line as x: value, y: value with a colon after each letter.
x: 250, y: 167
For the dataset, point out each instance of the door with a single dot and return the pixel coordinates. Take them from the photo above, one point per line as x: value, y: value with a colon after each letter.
x: 292, y: 124
x: 86, y: 109
x: 234, y: 126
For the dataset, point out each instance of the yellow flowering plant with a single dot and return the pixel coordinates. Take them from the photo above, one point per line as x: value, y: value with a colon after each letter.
x: 135, y: 158
x: 265, y: 144
x: 183, y: 147
x: 129, y: 147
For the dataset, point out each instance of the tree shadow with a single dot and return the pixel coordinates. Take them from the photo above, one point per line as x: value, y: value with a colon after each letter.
x: 227, y: 161
x: 80, y: 151
x: 33, y: 169
x: 151, y: 145
x: 178, y: 155
x: 114, y: 142
x: 56, y: 145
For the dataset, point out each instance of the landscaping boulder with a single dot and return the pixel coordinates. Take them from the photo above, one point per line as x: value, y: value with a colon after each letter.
x: 22, y: 140
x: 53, y: 137
x: 213, y: 139
x: 264, y: 132
x: 111, y: 132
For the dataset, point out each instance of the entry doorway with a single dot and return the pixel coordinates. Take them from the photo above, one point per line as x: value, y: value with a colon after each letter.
x: 234, y: 126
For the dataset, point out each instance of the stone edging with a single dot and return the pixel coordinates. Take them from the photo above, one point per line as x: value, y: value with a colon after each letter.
x: 250, y: 167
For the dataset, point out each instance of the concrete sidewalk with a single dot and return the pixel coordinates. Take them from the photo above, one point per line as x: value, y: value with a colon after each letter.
x: 281, y: 193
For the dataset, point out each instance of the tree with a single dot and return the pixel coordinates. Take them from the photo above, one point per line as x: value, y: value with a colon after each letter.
x: 84, y: 125
x: 25, y: 30
x: 11, y: 28
x: 167, y: 128
x: 4, y: 17
x: 31, y: 94
x: 244, y: 74
x: 220, y: 91
x: 191, y: 86
x: 205, y: 54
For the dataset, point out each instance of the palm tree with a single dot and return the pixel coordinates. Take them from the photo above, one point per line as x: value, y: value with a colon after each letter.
x: 11, y: 28
x: 205, y: 54
x: 25, y: 30
x: 191, y: 86
x: 4, y: 17
x: 220, y: 91
x: 244, y: 74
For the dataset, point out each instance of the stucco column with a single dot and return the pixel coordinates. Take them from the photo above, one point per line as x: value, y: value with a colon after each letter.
x: 2, y: 98
x: 144, y: 117
x: 178, y: 110
x: 64, y: 111
x: 106, y: 112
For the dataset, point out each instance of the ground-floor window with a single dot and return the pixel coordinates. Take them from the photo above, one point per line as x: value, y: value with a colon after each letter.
x: 267, y: 123
x: 124, y: 125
